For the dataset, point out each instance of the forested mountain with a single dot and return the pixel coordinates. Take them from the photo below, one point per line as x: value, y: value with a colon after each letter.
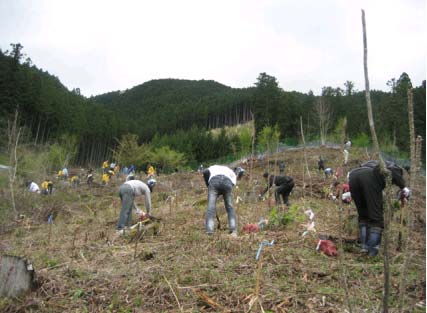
x: 173, y: 111
x: 165, y: 105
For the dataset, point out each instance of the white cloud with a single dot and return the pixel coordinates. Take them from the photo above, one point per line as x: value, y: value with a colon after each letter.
x: 101, y: 46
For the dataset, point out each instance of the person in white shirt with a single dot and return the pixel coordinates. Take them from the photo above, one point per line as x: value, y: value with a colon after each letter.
x: 345, y: 152
x: 128, y: 191
x: 32, y: 186
x: 220, y: 180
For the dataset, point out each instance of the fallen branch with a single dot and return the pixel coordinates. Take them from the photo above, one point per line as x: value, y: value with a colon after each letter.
x: 209, y: 301
x: 174, y: 294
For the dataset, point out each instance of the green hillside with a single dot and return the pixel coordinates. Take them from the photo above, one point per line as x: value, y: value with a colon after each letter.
x: 165, y: 105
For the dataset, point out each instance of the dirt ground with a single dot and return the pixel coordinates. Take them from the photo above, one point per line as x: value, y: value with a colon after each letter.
x: 83, y: 266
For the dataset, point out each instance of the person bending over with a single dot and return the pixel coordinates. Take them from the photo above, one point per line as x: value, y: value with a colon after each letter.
x: 284, y: 186
x: 221, y: 180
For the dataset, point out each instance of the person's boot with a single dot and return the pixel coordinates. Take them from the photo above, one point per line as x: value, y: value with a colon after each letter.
x: 363, y: 237
x: 374, y: 240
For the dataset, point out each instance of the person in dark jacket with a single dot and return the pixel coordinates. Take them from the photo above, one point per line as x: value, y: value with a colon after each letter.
x: 282, y: 167
x: 366, y: 185
x: 284, y: 186
x: 320, y: 164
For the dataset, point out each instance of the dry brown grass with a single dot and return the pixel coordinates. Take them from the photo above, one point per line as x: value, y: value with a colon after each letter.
x: 83, y: 267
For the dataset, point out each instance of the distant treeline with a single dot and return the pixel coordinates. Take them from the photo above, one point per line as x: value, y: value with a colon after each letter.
x: 168, y: 108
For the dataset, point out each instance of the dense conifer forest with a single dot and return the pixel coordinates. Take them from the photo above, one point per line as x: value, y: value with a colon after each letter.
x: 171, y: 112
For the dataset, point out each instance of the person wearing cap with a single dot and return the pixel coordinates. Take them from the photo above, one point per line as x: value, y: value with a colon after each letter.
x: 221, y: 180
x: 131, y: 176
x: 284, y: 186
x: 367, y: 184
x: 127, y: 192
x: 239, y: 172
x: 107, y: 176
x: 151, y: 183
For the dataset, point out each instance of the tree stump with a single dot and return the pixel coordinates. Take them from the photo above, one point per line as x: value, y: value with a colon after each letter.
x: 17, y: 276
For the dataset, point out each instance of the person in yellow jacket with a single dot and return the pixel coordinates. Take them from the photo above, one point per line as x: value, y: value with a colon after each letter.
x: 151, y: 171
x: 60, y: 174
x: 75, y: 181
x: 105, y: 166
x: 107, y: 176
x: 46, y: 187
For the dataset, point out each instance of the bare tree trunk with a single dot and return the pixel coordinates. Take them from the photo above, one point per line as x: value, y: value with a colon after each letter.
x: 323, y: 111
x: 418, y: 151
x: 403, y: 240
x: 367, y: 91
x: 412, y: 170
x: 305, y: 160
x: 253, y: 150
x: 37, y: 133
x: 14, y: 134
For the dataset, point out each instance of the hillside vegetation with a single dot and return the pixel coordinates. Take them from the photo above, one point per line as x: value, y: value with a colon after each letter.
x: 82, y: 266
x: 175, y: 109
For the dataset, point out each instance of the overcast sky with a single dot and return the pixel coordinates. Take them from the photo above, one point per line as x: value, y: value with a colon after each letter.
x: 101, y: 46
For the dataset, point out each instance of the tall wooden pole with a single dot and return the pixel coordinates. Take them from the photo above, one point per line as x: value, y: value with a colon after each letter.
x: 367, y: 91
x: 383, y: 170
x: 413, y: 170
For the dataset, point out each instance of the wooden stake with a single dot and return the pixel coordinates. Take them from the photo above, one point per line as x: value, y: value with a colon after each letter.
x: 49, y: 234
x: 341, y: 250
x: 137, y: 236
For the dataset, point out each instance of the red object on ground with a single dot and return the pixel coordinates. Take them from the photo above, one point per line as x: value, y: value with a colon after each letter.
x: 345, y: 188
x: 143, y: 217
x: 327, y: 247
x: 250, y: 228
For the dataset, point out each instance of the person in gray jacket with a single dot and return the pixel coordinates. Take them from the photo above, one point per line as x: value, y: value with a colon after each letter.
x: 221, y: 180
x: 128, y: 191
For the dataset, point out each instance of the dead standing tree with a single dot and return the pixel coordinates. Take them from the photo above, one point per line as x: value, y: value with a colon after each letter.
x: 305, y: 165
x: 413, y: 168
x: 383, y: 170
x: 406, y: 210
x: 13, y: 139
x: 323, y: 111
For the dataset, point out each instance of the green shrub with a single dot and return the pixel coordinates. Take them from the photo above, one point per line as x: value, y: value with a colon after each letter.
x: 168, y: 159
x: 290, y: 216
x: 361, y: 140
